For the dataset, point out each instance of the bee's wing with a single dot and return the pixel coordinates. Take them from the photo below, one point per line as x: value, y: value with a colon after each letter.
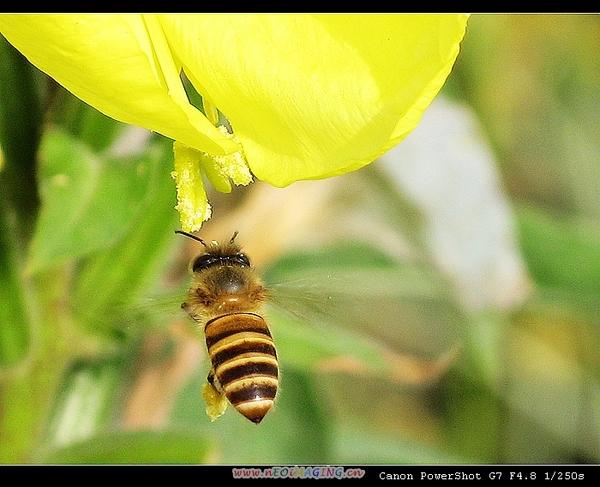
x: 377, y: 309
x: 162, y: 307
x: 131, y: 312
x: 306, y: 299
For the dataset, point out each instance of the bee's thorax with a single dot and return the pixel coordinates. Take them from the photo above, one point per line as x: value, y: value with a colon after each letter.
x: 224, y: 289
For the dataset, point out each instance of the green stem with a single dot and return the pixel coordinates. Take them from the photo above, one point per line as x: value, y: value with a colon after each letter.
x: 29, y: 366
x: 26, y: 397
x: 20, y: 121
x: 475, y: 395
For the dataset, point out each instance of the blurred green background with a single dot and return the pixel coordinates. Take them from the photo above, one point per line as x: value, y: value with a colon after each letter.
x: 450, y: 292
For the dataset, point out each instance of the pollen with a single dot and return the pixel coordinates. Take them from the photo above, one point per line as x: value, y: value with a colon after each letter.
x: 191, y: 166
x: 215, y: 402
x: 232, y: 166
x: 192, y: 203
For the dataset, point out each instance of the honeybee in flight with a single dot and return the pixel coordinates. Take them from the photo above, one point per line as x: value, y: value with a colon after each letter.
x: 226, y: 297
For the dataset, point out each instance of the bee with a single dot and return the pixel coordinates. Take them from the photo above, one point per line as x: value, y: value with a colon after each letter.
x: 225, y: 298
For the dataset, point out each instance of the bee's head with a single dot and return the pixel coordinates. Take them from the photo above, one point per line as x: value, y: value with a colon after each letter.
x: 219, y: 257
x: 217, y: 254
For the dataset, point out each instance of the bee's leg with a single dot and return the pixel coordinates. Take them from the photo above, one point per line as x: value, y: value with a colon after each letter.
x: 213, y: 381
x: 214, y: 397
x: 188, y: 309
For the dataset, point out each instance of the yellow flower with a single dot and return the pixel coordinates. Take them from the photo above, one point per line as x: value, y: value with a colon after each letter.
x: 307, y: 96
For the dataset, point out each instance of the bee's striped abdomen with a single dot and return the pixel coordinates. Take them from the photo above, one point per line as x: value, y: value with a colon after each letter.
x: 244, y: 361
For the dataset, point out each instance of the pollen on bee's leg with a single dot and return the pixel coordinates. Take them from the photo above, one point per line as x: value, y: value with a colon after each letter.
x: 216, y: 402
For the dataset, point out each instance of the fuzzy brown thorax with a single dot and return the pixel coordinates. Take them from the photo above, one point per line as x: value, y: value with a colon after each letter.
x: 223, y: 282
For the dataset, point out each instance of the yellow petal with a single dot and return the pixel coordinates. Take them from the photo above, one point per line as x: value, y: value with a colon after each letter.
x: 310, y: 96
x: 121, y: 65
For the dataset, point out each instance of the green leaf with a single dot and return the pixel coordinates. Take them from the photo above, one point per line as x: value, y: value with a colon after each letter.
x: 333, y: 258
x: 561, y: 252
x: 295, y: 431
x: 88, y: 203
x: 85, y: 123
x: 86, y: 400
x: 110, y: 279
x: 359, y: 444
x: 135, y: 447
x: 16, y: 298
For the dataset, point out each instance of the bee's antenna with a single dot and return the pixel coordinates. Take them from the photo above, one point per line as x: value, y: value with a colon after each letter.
x: 192, y: 236
x: 235, y: 234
